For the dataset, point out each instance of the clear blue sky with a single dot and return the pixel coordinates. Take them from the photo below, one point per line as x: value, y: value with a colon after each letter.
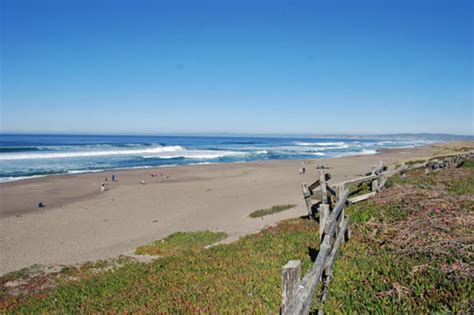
x: 237, y: 66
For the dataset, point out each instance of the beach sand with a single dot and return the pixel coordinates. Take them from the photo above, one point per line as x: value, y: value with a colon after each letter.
x: 79, y: 223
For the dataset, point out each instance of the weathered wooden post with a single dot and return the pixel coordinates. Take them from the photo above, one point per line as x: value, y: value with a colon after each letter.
x: 290, y: 277
x: 339, y: 192
x: 324, y: 189
x: 307, y: 198
x: 347, y: 234
x: 383, y: 180
x: 373, y: 168
x: 403, y: 168
x: 324, y: 206
x: 375, y: 185
x: 323, y: 219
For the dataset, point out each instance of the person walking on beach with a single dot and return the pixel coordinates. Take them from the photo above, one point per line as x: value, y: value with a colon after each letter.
x: 113, y: 177
x: 102, y: 187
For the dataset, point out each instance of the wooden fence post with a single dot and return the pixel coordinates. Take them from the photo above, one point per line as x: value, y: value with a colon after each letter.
x: 307, y: 200
x: 323, y: 185
x: 290, y: 277
x: 373, y: 168
x: 339, y: 192
x: 324, y: 206
x: 323, y: 219
x: 375, y: 185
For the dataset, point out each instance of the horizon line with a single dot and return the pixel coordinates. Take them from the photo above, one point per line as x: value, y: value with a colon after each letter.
x: 234, y: 134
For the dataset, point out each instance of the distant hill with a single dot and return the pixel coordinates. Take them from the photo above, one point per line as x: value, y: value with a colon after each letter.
x: 404, y: 136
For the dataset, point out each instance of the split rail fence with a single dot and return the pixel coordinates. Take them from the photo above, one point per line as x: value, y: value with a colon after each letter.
x: 297, y: 295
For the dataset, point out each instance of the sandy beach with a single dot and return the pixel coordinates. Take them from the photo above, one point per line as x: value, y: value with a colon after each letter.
x: 81, y: 223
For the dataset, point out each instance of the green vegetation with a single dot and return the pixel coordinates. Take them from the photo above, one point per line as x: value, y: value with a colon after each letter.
x: 242, y: 277
x: 181, y: 242
x: 465, y: 149
x: 413, y: 162
x: 361, y: 189
x: 468, y: 164
x: 409, y: 253
x: 415, y: 178
x: 463, y: 187
x: 370, y: 279
x: 272, y: 210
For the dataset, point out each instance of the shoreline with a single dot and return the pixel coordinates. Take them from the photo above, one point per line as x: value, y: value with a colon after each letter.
x: 26, y: 179
x: 370, y: 151
x: 82, y: 224
x: 115, y: 170
x: 127, y: 171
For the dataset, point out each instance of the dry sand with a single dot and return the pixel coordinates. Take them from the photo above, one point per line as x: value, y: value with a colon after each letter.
x: 80, y: 223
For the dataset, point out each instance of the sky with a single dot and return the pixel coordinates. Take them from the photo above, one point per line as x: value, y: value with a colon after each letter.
x: 244, y: 67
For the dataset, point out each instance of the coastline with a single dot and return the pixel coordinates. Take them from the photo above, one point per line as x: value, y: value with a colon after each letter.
x: 79, y: 223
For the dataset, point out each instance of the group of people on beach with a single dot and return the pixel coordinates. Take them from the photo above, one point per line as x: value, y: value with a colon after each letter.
x: 105, y: 183
x: 302, y: 171
x: 159, y: 175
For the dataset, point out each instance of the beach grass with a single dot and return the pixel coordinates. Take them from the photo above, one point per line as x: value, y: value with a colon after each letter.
x: 413, y: 162
x: 272, y: 210
x: 397, y: 261
x: 468, y: 164
x: 361, y: 189
x: 181, y: 242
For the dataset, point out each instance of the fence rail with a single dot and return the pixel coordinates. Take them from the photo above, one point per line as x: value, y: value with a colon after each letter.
x: 334, y: 229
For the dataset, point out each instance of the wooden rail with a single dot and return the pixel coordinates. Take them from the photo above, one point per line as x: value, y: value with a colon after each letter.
x: 297, y: 295
x: 333, y: 225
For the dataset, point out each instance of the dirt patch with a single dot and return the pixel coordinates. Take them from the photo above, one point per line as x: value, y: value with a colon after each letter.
x: 41, y: 279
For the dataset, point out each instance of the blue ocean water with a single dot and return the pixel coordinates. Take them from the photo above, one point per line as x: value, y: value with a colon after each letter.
x: 23, y: 156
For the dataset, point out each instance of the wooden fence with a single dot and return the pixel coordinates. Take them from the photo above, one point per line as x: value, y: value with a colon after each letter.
x: 297, y: 295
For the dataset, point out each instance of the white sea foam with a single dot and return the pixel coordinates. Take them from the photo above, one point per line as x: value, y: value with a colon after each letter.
x: 305, y: 144
x: 13, y: 179
x: 83, y: 171
x: 344, y: 146
x: 58, y: 155
x: 321, y: 144
x: 363, y: 152
x: 196, y: 154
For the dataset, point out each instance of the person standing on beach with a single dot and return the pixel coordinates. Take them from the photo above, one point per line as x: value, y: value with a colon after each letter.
x: 102, y: 187
x: 113, y: 177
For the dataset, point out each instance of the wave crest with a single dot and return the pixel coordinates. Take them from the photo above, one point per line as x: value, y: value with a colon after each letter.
x: 78, y: 154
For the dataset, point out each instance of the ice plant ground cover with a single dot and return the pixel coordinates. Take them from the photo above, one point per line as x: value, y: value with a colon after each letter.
x: 410, y: 252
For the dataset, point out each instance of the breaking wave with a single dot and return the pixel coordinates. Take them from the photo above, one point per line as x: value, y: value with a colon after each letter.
x: 58, y: 155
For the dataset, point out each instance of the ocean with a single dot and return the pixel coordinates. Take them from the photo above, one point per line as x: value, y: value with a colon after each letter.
x: 26, y: 156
